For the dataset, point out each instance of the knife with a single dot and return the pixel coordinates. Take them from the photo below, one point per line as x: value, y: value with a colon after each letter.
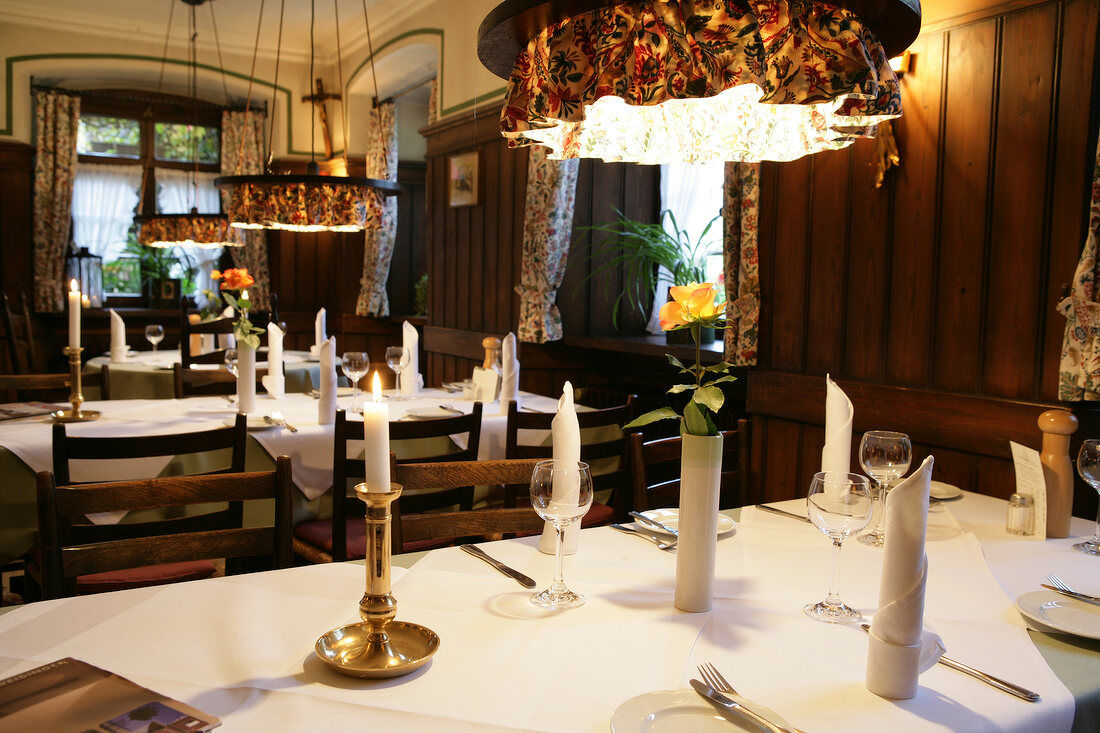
x: 663, y: 543
x: 784, y: 513
x: 1074, y: 594
x: 653, y: 523
x: 517, y: 575
x: 1021, y: 692
x: 734, y: 711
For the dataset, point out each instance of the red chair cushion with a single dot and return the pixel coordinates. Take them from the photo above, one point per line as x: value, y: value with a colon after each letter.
x: 598, y: 515
x: 319, y: 534
x: 145, y: 576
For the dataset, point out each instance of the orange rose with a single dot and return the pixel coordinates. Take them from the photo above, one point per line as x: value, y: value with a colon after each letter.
x: 236, y: 279
x: 691, y: 303
x: 215, y: 275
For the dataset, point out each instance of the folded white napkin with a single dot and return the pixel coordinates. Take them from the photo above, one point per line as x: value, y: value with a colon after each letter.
x: 274, y: 381
x: 509, y: 373
x: 326, y: 406
x: 836, y: 455
x: 319, y: 334
x: 565, y: 433
x: 411, y: 381
x: 899, y: 649
x: 246, y: 380
x: 118, y: 337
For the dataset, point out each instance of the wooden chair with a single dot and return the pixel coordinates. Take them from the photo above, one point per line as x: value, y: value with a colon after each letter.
x: 410, y: 530
x: 341, y: 537
x: 217, y: 326
x: 67, y: 448
x: 655, y: 469
x: 192, y: 382
x: 66, y: 558
x: 20, y: 333
x: 601, y: 441
x: 54, y: 387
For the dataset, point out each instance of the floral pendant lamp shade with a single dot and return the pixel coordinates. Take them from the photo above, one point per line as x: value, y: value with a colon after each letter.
x: 205, y: 231
x: 660, y: 81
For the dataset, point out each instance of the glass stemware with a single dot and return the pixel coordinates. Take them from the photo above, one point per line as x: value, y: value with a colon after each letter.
x: 397, y: 358
x: 231, y: 362
x: 561, y: 493
x: 1088, y: 465
x: 355, y: 364
x: 838, y: 504
x: 154, y: 335
x: 885, y: 457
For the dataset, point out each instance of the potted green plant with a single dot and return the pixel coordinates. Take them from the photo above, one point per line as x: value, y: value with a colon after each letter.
x: 641, y: 249
x: 163, y: 270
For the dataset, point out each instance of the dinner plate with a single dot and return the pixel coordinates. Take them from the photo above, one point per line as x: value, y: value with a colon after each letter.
x: 255, y: 422
x: 428, y: 413
x: 945, y: 492
x: 457, y: 386
x: 1061, y: 613
x: 671, y: 518
x: 679, y: 711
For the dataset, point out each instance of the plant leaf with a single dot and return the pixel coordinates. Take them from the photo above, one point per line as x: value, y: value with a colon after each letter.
x: 727, y: 378
x: 695, y: 420
x: 674, y: 361
x: 678, y: 388
x: 710, y: 396
x: 661, y: 413
x: 722, y: 366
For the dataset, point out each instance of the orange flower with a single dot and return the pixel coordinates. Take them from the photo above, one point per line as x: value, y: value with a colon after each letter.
x: 215, y: 275
x: 691, y: 303
x: 236, y: 278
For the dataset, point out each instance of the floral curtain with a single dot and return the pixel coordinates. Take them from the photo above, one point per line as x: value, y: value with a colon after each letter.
x: 243, y: 154
x: 433, y: 102
x: 742, y: 265
x: 378, y: 248
x: 1079, y: 373
x: 57, y: 118
x: 547, y: 230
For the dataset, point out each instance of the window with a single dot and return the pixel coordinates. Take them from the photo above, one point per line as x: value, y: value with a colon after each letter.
x: 141, y: 153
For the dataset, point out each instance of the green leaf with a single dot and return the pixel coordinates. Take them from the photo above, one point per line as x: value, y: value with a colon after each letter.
x: 695, y: 420
x: 722, y: 366
x: 678, y: 388
x: 710, y: 396
x: 727, y: 378
x: 675, y: 362
x: 661, y: 413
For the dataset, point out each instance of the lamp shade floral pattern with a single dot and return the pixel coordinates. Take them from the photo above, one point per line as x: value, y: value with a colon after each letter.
x: 190, y: 230
x: 242, y: 153
x: 694, y: 80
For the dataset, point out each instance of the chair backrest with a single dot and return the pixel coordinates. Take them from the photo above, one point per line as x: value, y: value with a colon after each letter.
x: 29, y: 386
x: 655, y: 469
x: 188, y: 382
x: 20, y: 334
x: 603, y: 446
x: 491, y: 522
x: 220, y: 325
x: 63, y: 559
x: 348, y: 469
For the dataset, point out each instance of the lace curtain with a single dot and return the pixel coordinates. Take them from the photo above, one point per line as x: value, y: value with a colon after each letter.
x: 56, y: 122
x: 378, y: 247
x: 176, y: 196
x: 740, y: 214
x: 242, y: 154
x: 104, y: 199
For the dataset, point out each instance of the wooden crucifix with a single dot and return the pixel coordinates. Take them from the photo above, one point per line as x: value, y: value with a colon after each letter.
x: 319, y: 99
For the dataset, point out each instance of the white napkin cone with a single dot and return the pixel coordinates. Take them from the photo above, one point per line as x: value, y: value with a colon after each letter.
x: 565, y: 432
x: 411, y: 380
x: 274, y: 381
x: 509, y: 370
x: 118, y: 338
x: 319, y: 335
x: 326, y: 406
x: 836, y: 454
x: 899, y: 649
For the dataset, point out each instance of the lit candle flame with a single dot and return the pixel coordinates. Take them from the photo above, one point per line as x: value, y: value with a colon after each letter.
x: 377, y: 387
x: 74, y: 286
x: 244, y: 295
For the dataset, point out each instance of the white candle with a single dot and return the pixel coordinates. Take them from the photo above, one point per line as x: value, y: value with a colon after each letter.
x: 74, y: 315
x: 376, y: 440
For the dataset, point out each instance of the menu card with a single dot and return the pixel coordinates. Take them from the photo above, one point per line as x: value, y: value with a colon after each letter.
x: 12, y: 410
x: 71, y: 696
x: 1031, y: 482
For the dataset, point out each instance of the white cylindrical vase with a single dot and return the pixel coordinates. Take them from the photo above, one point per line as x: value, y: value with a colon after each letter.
x: 246, y: 379
x: 700, y: 480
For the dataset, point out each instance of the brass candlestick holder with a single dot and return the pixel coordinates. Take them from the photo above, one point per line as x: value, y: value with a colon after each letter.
x: 380, y: 646
x: 76, y: 394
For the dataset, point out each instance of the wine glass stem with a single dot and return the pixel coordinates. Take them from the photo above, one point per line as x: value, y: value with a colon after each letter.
x: 354, y: 394
x: 558, y: 586
x: 880, y: 507
x: 833, y: 598
x: 1096, y: 532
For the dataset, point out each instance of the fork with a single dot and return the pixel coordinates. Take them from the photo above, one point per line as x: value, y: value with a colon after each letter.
x: 1060, y: 584
x: 714, y: 678
x: 278, y: 416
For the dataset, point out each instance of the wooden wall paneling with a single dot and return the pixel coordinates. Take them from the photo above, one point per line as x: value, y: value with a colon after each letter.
x: 437, y: 208
x: 16, y: 218
x: 768, y: 223
x: 460, y: 271
x: 573, y: 295
x: 915, y: 182
x: 1071, y: 174
x: 968, y: 126
x: 994, y: 477
x: 511, y: 258
x: 642, y: 200
x: 608, y: 180
x: 449, y: 244
x: 789, y: 250
x: 1016, y: 261
x: 486, y: 243
x: 782, y: 446
x: 827, y: 241
x: 407, y: 264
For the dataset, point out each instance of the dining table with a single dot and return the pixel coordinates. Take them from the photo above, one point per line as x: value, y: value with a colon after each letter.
x: 242, y: 647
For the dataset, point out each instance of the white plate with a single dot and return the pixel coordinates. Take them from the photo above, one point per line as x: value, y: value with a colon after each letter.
x: 945, y: 492
x: 428, y: 413
x: 255, y: 422
x: 1062, y: 613
x: 671, y: 518
x: 679, y: 711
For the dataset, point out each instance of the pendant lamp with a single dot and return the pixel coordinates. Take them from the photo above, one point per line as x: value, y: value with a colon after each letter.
x: 206, y: 231
x: 660, y: 81
x: 310, y: 202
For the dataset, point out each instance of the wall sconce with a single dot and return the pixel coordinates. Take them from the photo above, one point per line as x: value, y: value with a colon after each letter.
x: 900, y: 64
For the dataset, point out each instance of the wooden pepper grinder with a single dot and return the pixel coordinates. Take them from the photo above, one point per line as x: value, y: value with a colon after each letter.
x: 492, y: 353
x: 1057, y: 426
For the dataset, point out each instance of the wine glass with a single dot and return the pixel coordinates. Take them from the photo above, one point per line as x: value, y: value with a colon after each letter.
x: 154, y: 335
x: 356, y: 364
x: 1088, y: 465
x: 885, y: 457
x: 561, y: 493
x: 839, y: 504
x: 397, y: 358
x: 231, y: 362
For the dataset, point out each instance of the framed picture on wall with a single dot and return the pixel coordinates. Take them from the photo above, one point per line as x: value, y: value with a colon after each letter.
x: 462, y: 186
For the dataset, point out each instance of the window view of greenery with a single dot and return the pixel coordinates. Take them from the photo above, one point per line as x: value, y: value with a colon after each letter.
x: 122, y: 276
x: 116, y: 137
x: 173, y: 142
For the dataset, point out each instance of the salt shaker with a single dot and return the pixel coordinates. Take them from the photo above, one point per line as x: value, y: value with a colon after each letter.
x: 1021, y: 515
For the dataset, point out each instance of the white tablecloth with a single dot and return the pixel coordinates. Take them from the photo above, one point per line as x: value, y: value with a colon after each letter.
x: 241, y: 647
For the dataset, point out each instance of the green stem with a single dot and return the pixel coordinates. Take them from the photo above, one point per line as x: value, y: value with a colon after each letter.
x: 698, y: 366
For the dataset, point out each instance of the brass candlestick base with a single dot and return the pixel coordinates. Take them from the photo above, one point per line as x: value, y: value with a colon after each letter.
x: 380, y: 646
x: 76, y: 395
